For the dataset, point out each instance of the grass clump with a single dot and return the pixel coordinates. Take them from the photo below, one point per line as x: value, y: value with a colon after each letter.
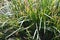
x: 32, y: 20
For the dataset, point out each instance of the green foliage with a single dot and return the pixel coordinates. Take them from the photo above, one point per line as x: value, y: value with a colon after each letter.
x: 32, y: 20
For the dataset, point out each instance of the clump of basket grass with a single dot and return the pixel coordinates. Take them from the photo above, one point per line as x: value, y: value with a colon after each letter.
x: 32, y: 20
